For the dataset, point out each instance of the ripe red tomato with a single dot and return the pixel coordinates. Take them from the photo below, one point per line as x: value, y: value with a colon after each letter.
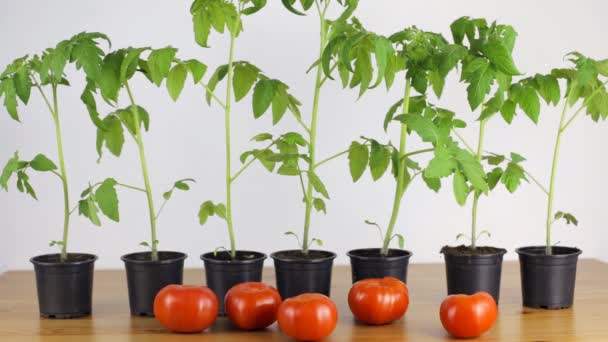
x: 308, y: 317
x: 186, y: 309
x: 252, y: 305
x: 466, y: 316
x: 378, y: 300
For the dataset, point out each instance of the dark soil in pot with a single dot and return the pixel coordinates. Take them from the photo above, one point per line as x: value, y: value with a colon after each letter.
x: 297, y: 273
x: 65, y: 289
x: 223, y: 272
x: 548, y: 281
x: 146, y: 277
x: 370, y: 263
x: 469, y: 271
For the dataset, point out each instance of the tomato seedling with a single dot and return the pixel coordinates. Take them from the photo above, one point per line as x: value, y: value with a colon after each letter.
x: 241, y: 77
x: 118, y: 69
x: 42, y: 73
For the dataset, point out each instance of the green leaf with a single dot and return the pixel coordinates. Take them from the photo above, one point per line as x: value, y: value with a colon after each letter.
x: 432, y: 183
x: 176, y: 80
x: 109, y: 81
x: 130, y: 63
x: 391, y: 112
x: 262, y: 137
x: 88, y: 99
x: 207, y: 209
x: 494, y: 159
x: 569, y: 218
x: 42, y: 163
x: 364, y: 70
x: 128, y: 118
x: 500, y: 56
x: 472, y: 170
x: 182, y: 184
x: 11, y: 167
x: 112, y: 136
x: 197, y: 69
x: 280, y: 102
x: 512, y: 176
x: 461, y: 190
x: 319, y: 205
x: 107, y: 199
x: 217, y: 76
x: 548, y: 88
x: 529, y: 102
x: 317, y: 184
x: 87, y: 208
x: 508, y: 111
x: 422, y: 125
x: 383, y: 51
x: 380, y: 157
x: 358, y: 157
x: 245, y: 75
x: 220, y: 210
x: 479, y: 75
x: 493, y: 177
x: 23, y: 84
x: 442, y: 165
x: 517, y: 158
x: 159, y: 62
x: 288, y: 4
x: 263, y: 94
x: 602, y: 67
x: 167, y: 195
x: 10, y: 97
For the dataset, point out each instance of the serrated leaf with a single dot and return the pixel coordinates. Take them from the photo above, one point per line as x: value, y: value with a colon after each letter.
x: 391, y: 112
x: 507, y: 111
x: 176, y: 80
x: 107, y: 199
x: 319, y: 205
x: 11, y: 167
x: 479, y: 74
x: 197, y: 69
x: 423, y: 126
x: 461, y: 190
x: 472, y: 170
x: 245, y: 76
x: 493, y: 177
x: 42, y: 163
x: 379, y: 159
x: 263, y: 94
x: 358, y: 157
x: 432, y: 183
x: 500, y: 56
x: 159, y: 62
x: 517, y: 158
x: 529, y: 102
x: 112, y: 136
x: 442, y: 165
x: 317, y: 184
x: 513, y: 176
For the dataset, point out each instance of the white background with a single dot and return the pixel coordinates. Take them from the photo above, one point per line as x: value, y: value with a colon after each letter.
x: 186, y: 138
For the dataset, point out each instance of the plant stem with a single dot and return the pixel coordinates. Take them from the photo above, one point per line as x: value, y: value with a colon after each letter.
x: 330, y: 158
x: 400, y: 188
x: 227, y: 107
x: 64, y: 179
x: 482, y: 126
x: 313, y: 132
x: 144, y: 169
x: 552, y: 181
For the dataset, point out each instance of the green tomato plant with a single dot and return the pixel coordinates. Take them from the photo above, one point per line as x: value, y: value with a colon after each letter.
x: 118, y: 69
x: 487, y: 67
x: 46, y: 73
x: 585, y: 90
x: 423, y: 59
x: 240, y: 77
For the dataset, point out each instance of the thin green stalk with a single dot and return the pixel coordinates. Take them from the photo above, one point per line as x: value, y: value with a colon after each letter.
x: 482, y: 126
x: 400, y: 188
x: 313, y: 133
x: 558, y: 139
x: 227, y: 107
x: 144, y: 169
x: 64, y: 178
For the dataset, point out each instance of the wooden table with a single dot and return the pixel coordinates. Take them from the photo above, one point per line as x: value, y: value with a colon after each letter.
x: 587, y: 321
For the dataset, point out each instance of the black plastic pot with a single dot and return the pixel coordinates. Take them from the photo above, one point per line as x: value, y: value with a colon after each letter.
x: 223, y: 272
x: 369, y: 263
x: 146, y: 277
x: 297, y: 273
x: 547, y: 281
x: 468, y: 274
x: 65, y: 289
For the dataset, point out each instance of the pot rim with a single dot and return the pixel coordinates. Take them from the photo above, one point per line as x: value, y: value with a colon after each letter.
x: 407, y: 255
x: 127, y: 258
x: 330, y: 256
x: 91, y: 258
x: 208, y: 257
x: 524, y: 251
x: 501, y: 252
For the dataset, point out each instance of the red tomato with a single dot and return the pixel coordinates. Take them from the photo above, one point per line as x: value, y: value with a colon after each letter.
x: 466, y: 316
x: 379, y: 300
x: 252, y: 305
x: 186, y: 309
x: 308, y: 317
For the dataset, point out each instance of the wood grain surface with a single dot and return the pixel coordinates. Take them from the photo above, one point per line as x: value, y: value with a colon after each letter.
x: 586, y: 321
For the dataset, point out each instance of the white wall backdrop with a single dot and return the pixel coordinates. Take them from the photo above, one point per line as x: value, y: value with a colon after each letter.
x: 186, y: 138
